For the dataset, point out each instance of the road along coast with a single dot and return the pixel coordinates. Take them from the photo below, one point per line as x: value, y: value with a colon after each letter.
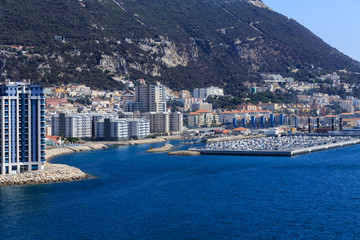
x: 141, y: 141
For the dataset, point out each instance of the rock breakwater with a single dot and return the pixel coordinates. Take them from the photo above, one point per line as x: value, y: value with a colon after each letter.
x: 51, y: 174
x: 164, y: 148
x: 184, y: 153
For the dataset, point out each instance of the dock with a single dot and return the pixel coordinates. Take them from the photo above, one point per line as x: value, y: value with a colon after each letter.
x: 285, y: 153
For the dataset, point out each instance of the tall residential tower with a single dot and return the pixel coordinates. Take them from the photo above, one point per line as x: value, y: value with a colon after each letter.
x: 149, y: 98
x: 22, y: 127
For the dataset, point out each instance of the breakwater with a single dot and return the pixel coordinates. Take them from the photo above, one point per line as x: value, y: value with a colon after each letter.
x: 184, y: 153
x: 52, y: 173
x: 165, y: 148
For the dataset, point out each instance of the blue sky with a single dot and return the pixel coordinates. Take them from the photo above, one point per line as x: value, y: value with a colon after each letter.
x: 337, y: 22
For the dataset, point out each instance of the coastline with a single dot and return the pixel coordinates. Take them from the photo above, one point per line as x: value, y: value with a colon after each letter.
x: 53, y: 173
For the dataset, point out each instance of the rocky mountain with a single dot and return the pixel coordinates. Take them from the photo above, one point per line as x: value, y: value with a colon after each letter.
x: 182, y: 43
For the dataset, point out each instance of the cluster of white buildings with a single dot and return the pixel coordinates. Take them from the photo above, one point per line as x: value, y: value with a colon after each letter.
x: 205, y: 92
x: 146, y: 115
x: 99, y: 126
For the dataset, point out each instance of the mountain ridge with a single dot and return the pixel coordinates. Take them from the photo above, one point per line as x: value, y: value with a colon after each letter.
x: 184, y: 44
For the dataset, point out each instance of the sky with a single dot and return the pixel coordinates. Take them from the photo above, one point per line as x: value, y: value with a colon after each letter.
x: 337, y: 22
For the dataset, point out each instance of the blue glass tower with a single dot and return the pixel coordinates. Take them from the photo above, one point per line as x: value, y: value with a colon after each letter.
x: 22, y: 127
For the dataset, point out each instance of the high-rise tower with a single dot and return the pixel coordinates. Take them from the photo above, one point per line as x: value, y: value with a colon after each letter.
x: 22, y: 127
x: 149, y: 98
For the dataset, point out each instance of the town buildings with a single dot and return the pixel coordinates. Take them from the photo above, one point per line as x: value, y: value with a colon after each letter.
x: 210, y: 91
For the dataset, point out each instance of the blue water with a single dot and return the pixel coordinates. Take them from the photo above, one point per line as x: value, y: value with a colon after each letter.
x: 155, y: 196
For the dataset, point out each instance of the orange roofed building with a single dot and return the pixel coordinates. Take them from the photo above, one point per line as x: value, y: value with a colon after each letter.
x: 240, y: 131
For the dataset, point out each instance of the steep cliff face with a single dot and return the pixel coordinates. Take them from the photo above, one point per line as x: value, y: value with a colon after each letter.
x: 258, y: 3
x: 182, y: 43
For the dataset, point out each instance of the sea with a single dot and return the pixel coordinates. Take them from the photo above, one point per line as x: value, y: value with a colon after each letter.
x: 137, y: 195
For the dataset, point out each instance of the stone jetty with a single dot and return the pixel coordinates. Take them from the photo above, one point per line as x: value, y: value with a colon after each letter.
x: 72, y: 149
x: 184, y: 153
x: 165, y: 148
x: 51, y: 174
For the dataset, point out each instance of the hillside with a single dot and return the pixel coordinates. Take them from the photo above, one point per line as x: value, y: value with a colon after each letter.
x: 182, y: 43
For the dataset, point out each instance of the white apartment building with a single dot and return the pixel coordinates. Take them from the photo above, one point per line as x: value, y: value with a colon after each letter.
x: 148, y: 98
x: 210, y: 91
x: 159, y: 122
x: 157, y: 102
x: 112, y: 130
x: 139, y: 128
x: 176, y: 122
x: 72, y: 125
x: 195, y: 120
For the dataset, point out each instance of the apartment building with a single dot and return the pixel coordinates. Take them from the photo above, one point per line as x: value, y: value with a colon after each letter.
x: 22, y: 122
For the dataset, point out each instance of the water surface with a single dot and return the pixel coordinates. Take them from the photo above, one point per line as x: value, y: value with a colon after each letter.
x: 154, y: 196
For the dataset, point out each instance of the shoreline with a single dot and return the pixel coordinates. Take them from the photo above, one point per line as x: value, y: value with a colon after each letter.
x: 54, y: 173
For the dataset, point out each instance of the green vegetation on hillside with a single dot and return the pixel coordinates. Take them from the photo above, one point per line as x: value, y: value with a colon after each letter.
x: 235, y: 41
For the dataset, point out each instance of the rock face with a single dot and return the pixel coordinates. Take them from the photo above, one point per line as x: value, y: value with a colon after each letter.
x: 184, y: 153
x: 164, y: 148
x: 168, y: 53
x: 51, y: 174
x: 181, y: 43
x: 258, y: 3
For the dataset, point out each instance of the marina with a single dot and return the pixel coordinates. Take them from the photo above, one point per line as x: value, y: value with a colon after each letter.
x: 278, y: 146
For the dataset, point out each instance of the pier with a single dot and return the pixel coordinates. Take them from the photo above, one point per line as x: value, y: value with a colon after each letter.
x: 282, y: 146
